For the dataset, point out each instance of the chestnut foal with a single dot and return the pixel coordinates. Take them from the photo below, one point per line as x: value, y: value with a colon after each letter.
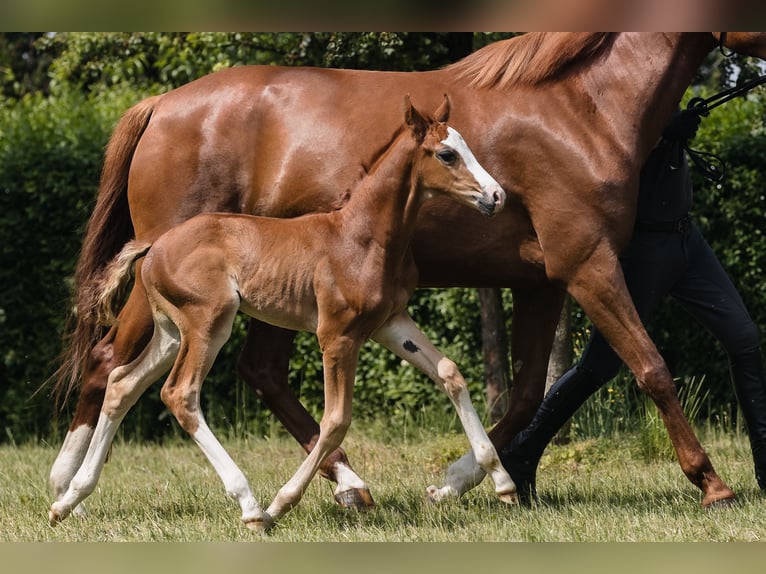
x: 346, y: 275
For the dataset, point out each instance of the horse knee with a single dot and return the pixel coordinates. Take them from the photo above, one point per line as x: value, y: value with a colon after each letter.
x: 450, y: 376
x: 658, y: 384
x: 334, y: 428
x: 266, y: 376
x: 183, y: 405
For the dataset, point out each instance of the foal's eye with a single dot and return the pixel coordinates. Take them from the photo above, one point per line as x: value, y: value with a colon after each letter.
x: 447, y: 156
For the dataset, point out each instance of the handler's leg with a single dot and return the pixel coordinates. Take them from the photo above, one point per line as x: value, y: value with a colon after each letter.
x: 708, y: 294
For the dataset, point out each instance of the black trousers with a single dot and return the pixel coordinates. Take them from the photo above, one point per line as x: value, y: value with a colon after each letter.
x: 684, y: 266
x: 656, y: 264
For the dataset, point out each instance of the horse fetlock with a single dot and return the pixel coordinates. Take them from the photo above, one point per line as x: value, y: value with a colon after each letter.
x: 58, y: 512
x: 355, y: 498
x: 436, y: 494
x: 260, y: 524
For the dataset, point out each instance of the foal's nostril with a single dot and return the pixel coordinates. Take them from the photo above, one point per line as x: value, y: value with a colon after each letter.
x: 497, y: 197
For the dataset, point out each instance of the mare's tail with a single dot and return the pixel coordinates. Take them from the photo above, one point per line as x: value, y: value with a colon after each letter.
x: 109, y: 228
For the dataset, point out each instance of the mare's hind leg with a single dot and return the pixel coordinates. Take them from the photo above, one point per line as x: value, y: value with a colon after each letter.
x: 263, y: 364
x: 401, y: 335
x: 126, y: 384
x: 200, y: 344
x: 120, y: 346
x: 535, y: 317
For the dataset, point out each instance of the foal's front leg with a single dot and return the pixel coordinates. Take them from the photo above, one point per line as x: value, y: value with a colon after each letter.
x: 402, y: 336
x: 263, y: 364
x: 340, y: 355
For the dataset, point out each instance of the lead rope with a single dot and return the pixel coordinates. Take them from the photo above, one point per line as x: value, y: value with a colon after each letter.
x: 712, y: 166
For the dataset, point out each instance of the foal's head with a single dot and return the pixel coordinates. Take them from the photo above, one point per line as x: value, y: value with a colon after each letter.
x: 445, y: 164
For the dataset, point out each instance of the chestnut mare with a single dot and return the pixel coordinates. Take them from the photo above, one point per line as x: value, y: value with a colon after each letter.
x: 346, y: 275
x: 564, y: 122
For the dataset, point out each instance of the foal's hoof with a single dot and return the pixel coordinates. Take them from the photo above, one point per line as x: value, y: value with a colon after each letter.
x: 260, y: 525
x: 54, y: 517
x: 436, y: 494
x: 355, y: 499
x: 511, y: 498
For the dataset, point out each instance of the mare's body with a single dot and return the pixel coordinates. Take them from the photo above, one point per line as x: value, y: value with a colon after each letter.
x: 566, y: 120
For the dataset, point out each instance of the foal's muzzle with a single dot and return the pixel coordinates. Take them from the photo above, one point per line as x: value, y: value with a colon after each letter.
x: 492, y: 202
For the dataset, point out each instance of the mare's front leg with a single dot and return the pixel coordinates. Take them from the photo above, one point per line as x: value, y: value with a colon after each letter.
x: 402, y: 336
x: 340, y: 354
x: 123, y: 343
x: 599, y: 286
x: 263, y: 364
x: 535, y: 317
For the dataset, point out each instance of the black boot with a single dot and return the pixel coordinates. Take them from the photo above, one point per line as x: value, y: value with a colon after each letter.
x: 521, y: 457
x: 750, y: 388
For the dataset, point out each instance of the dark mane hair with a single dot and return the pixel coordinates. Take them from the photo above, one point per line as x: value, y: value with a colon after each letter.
x: 529, y: 59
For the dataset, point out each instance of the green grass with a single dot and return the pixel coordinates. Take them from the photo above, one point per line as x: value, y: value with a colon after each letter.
x: 592, y: 490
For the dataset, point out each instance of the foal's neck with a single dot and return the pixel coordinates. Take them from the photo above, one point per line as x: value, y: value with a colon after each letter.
x: 383, y: 208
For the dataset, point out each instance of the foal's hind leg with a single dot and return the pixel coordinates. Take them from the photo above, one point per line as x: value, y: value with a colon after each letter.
x: 401, y: 335
x: 121, y: 345
x: 126, y: 384
x: 202, y: 337
x: 263, y: 364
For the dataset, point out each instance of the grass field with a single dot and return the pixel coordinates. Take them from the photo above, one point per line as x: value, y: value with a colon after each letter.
x: 595, y: 490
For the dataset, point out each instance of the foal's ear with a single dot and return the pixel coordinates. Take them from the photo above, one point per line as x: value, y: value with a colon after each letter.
x: 414, y: 119
x: 442, y: 114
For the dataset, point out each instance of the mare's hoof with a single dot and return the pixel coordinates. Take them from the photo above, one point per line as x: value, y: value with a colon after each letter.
x: 355, y: 498
x: 260, y: 525
x: 719, y: 501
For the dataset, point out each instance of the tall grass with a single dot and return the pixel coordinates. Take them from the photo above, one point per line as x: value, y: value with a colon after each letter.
x: 597, y: 489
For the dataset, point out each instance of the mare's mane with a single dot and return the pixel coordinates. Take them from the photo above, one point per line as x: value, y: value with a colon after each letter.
x: 528, y: 59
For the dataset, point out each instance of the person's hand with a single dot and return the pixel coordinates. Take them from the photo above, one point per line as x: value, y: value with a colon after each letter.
x: 682, y: 126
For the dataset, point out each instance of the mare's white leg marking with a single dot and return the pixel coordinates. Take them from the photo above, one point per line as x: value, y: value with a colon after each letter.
x: 234, y: 480
x: 67, y: 462
x: 402, y: 336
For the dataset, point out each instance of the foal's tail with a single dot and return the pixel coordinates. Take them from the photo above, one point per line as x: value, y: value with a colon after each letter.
x: 108, y: 229
x: 111, y: 285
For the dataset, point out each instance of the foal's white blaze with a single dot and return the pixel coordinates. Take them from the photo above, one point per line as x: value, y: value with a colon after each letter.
x: 488, y: 183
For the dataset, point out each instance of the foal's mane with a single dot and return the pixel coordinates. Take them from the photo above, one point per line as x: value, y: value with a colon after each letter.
x: 528, y: 59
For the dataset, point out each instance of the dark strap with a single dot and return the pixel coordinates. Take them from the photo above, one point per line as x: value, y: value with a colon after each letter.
x: 676, y: 226
x: 711, y: 165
